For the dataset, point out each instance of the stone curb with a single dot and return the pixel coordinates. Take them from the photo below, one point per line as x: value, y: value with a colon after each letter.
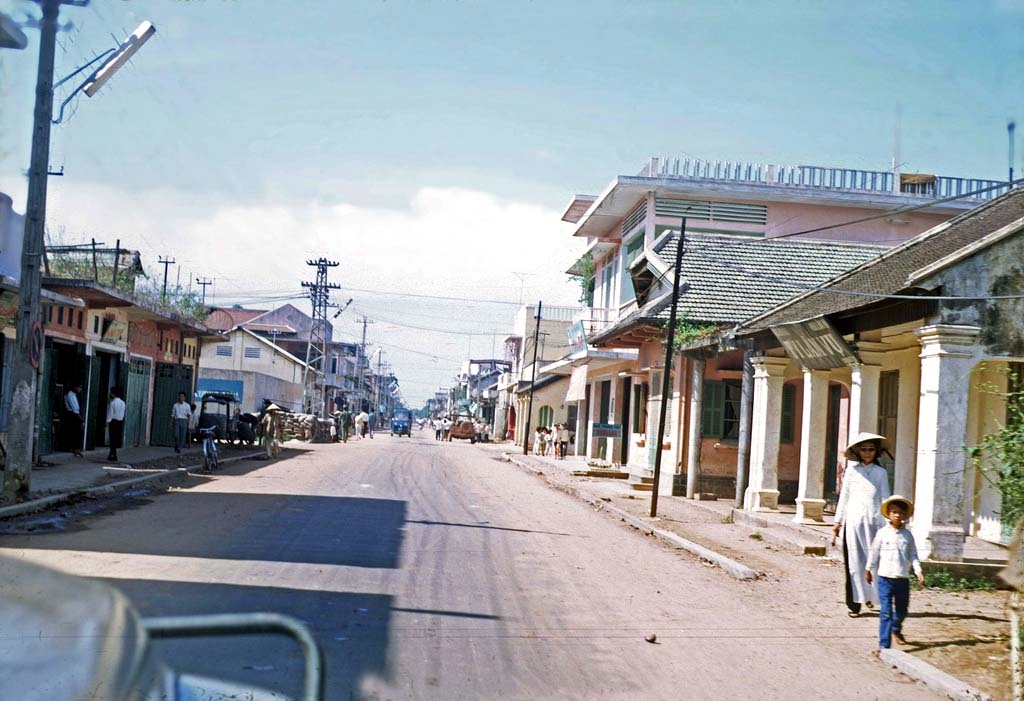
x: 43, y: 503
x: 729, y: 565
x: 931, y: 676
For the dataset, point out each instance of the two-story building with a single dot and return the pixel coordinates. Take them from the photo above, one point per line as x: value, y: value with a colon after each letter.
x: 756, y: 235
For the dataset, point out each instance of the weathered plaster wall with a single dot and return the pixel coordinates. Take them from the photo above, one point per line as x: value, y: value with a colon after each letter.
x: 995, y: 271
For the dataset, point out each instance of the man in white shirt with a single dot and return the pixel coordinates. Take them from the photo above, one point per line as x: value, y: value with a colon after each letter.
x: 115, y: 422
x: 181, y: 412
x: 73, y: 421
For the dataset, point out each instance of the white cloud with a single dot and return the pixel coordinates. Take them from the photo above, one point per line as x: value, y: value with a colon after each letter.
x: 456, y: 242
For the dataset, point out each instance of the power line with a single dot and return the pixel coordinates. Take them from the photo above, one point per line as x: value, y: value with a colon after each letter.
x: 893, y: 212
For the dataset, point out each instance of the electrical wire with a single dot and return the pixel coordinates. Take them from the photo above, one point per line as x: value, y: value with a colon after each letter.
x: 893, y: 212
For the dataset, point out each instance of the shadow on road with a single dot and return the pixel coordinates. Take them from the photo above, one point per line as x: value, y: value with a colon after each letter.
x: 347, y: 531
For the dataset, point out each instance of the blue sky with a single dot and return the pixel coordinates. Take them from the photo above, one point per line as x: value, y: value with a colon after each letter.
x: 430, y: 146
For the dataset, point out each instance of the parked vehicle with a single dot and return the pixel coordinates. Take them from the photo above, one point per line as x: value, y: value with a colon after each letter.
x: 401, y: 423
x: 216, y: 411
x: 209, y: 448
x: 463, y: 428
x: 79, y: 638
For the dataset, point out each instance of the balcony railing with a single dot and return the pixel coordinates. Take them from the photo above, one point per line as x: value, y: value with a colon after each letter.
x: 596, y: 319
x: 818, y: 177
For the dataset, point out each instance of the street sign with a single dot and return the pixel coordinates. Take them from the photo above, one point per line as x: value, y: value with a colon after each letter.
x: 607, y: 430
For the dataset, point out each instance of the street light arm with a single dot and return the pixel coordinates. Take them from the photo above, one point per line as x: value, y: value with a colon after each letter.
x: 117, y: 58
x: 60, y: 113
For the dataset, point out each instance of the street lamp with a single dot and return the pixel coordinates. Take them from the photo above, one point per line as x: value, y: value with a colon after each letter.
x: 29, y: 349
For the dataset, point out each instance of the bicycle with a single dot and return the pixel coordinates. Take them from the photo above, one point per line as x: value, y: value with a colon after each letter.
x: 209, y: 436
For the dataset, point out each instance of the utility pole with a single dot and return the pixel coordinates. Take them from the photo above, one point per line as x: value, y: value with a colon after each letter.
x: 360, y: 378
x: 667, y: 370
x: 533, y: 383
x: 377, y: 382
x: 204, y: 282
x: 28, y: 353
x: 316, y: 351
x: 29, y: 348
x: 166, y: 262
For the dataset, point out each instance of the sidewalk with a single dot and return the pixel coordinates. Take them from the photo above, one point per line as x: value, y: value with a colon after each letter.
x: 63, y: 476
x: 981, y: 558
x: 708, y: 530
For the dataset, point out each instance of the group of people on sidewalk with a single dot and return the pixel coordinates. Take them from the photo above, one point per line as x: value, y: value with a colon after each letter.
x: 552, y: 441
x: 74, y: 421
x: 878, y: 550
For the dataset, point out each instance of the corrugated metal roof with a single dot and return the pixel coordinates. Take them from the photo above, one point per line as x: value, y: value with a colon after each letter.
x: 891, y: 272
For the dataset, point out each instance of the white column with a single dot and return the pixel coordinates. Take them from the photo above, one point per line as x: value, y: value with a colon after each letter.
x: 579, y: 448
x: 809, y: 500
x: 864, y: 398
x: 947, y: 358
x: 693, y: 434
x: 611, y: 451
x: 763, y: 492
x: 595, y: 405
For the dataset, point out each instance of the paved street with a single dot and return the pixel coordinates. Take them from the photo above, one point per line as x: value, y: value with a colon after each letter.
x: 432, y: 570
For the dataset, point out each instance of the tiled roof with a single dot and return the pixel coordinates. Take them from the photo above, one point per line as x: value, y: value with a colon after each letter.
x: 726, y: 279
x: 891, y: 272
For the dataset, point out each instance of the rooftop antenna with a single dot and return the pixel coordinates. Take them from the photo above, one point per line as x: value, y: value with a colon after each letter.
x: 896, y: 139
x: 1010, y: 126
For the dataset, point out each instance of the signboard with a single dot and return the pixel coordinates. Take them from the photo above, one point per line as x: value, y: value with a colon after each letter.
x: 232, y: 387
x: 577, y: 385
x: 815, y: 345
x: 114, y: 331
x: 607, y: 430
x: 577, y: 337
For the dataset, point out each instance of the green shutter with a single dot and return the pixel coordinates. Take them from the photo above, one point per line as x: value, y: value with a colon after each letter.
x: 712, y: 409
x: 787, y: 427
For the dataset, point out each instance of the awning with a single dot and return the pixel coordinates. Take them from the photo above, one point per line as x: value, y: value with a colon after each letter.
x: 577, y: 385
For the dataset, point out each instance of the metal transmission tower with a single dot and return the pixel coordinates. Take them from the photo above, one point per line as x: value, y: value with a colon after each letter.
x: 313, y: 398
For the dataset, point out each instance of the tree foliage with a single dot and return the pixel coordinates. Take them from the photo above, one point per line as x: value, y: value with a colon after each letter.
x: 687, y: 333
x: 1000, y: 454
x: 585, y: 278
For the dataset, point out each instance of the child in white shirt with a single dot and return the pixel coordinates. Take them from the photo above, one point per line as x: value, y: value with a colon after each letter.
x: 893, y: 554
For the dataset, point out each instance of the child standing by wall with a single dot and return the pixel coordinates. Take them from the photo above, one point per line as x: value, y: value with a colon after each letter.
x: 893, y: 554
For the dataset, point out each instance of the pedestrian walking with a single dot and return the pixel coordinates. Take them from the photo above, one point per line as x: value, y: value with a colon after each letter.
x: 562, y: 440
x: 344, y: 423
x: 436, y: 423
x: 115, y: 422
x: 73, y: 421
x: 181, y: 412
x: 361, y: 418
x: 893, y: 555
x: 193, y: 424
x: 446, y: 429
x: 371, y: 420
x: 858, y: 515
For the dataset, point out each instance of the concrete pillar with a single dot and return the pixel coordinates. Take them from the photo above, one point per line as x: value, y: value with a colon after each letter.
x: 810, y: 503
x: 612, y: 445
x: 947, y: 358
x: 595, y: 406
x: 693, y: 434
x: 864, y: 398
x: 763, y: 492
x: 579, y: 447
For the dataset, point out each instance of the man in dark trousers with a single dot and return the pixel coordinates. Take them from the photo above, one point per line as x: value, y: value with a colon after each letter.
x: 73, y: 421
x: 115, y: 421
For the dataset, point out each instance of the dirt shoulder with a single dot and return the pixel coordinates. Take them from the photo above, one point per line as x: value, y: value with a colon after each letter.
x: 965, y: 634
